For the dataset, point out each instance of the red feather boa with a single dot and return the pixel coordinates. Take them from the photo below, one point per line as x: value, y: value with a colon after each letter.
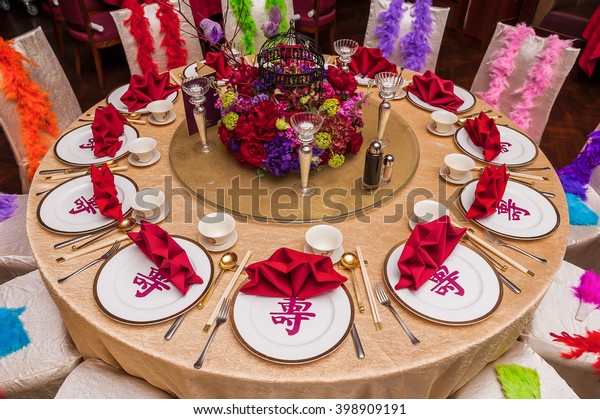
x: 580, y: 344
x: 139, y: 27
x: 34, y: 107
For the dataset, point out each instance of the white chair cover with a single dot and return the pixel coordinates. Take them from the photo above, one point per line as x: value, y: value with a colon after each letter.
x: 583, y: 247
x: 260, y: 16
x: 159, y: 56
x: 556, y: 313
x: 526, y: 57
x: 16, y: 256
x: 485, y: 384
x: 93, y: 379
x: 37, y: 370
x: 440, y: 16
x: 50, y: 76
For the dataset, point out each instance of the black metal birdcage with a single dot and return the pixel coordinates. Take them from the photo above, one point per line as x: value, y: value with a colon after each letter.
x: 289, y: 60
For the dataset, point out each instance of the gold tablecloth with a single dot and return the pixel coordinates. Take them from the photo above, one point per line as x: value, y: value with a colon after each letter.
x: 393, y: 368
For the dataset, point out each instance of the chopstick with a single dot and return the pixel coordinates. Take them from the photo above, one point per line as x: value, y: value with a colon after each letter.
x: 365, y: 274
x: 131, y: 121
x: 175, y: 79
x: 91, y: 249
x: 109, y: 163
x: 493, y: 250
x: 516, y: 174
x: 77, y: 174
x: 230, y: 286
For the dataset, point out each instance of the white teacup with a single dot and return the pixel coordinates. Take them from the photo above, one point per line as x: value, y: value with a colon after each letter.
x: 143, y: 148
x: 429, y: 210
x: 216, y: 227
x: 458, y: 165
x: 161, y: 109
x: 149, y: 202
x: 443, y: 120
x: 323, y: 239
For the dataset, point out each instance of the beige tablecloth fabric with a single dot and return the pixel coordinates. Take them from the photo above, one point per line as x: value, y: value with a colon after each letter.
x: 446, y: 359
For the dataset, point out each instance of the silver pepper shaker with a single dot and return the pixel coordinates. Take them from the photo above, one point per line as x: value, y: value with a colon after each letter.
x: 388, y: 168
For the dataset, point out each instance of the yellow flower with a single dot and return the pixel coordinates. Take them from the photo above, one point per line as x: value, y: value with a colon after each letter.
x: 281, y: 125
x: 336, y: 161
x: 227, y: 99
x: 323, y: 140
x: 230, y: 120
x: 331, y: 106
x: 304, y: 99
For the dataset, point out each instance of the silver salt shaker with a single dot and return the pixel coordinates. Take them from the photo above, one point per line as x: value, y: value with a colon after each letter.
x: 388, y: 168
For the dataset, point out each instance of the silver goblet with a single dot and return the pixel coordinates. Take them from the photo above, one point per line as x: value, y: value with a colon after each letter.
x: 306, y: 124
x: 197, y: 87
x: 345, y: 48
x: 388, y: 84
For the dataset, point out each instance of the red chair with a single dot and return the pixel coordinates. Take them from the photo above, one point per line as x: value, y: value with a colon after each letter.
x: 51, y: 8
x: 84, y: 28
x: 322, y: 16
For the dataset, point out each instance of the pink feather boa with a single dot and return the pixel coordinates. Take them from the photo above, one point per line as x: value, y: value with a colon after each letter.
x: 588, y: 289
x: 503, y: 62
x: 538, y: 80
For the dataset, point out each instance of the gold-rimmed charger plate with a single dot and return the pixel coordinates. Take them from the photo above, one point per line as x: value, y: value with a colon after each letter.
x: 69, y: 208
x: 517, y: 148
x: 114, y: 98
x: 325, y: 324
x: 129, y: 289
x: 465, y: 290
x: 523, y: 213
x: 75, y: 147
x: 468, y: 98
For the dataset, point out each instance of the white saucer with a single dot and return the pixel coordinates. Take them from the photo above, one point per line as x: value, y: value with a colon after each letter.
x: 400, y: 94
x: 153, y: 120
x: 335, y: 256
x: 444, y: 174
x: 163, y: 214
x: 448, y: 133
x: 134, y: 161
x: 219, y: 248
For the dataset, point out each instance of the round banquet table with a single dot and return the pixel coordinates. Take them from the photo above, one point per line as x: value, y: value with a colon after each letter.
x: 447, y: 357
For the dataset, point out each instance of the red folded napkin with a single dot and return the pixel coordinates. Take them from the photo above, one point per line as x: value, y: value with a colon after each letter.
x: 218, y: 62
x: 105, y: 192
x: 435, y: 91
x: 289, y: 273
x: 489, y: 191
x: 106, y: 130
x: 170, y: 258
x: 428, y: 246
x: 369, y: 62
x: 484, y: 133
x: 146, y: 88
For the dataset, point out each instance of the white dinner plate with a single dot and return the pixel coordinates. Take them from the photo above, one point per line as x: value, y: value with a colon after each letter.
x: 464, y: 94
x: 523, y: 213
x: 129, y: 289
x: 76, y: 146
x: 465, y: 290
x: 517, y: 148
x: 114, y: 97
x: 261, y: 325
x: 190, y: 71
x: 67, y: 209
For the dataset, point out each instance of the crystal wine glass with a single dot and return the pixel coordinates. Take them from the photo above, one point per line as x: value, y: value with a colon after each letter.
x: 197, y: 87
x: 235, y: 52
x: 306, y: 124
x: 345, y: 48
x: 388, y: 84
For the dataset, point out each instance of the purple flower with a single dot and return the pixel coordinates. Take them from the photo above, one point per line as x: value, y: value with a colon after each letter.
x: 271, y: 27
x: 212, y: 31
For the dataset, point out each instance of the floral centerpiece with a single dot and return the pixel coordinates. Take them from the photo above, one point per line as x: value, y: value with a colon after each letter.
x: 255, y: 109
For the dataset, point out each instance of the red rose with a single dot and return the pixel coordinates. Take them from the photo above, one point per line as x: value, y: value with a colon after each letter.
x: 244, y: 128
x: 253, y: 152
x: 225, y: 134
x: 353, y: 146
x: 243, y: 79
x: 243, y: 162
x: 263, y: 117
x: 341, y: 80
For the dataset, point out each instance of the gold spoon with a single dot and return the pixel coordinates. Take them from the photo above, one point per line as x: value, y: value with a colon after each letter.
x: 350, y: 262
x: 228, y: 262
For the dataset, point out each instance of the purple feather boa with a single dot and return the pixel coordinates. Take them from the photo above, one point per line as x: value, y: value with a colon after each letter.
x: 8, y: 206
x: 415, y: 44
x: 389, y: 29
x: 576, y: 176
